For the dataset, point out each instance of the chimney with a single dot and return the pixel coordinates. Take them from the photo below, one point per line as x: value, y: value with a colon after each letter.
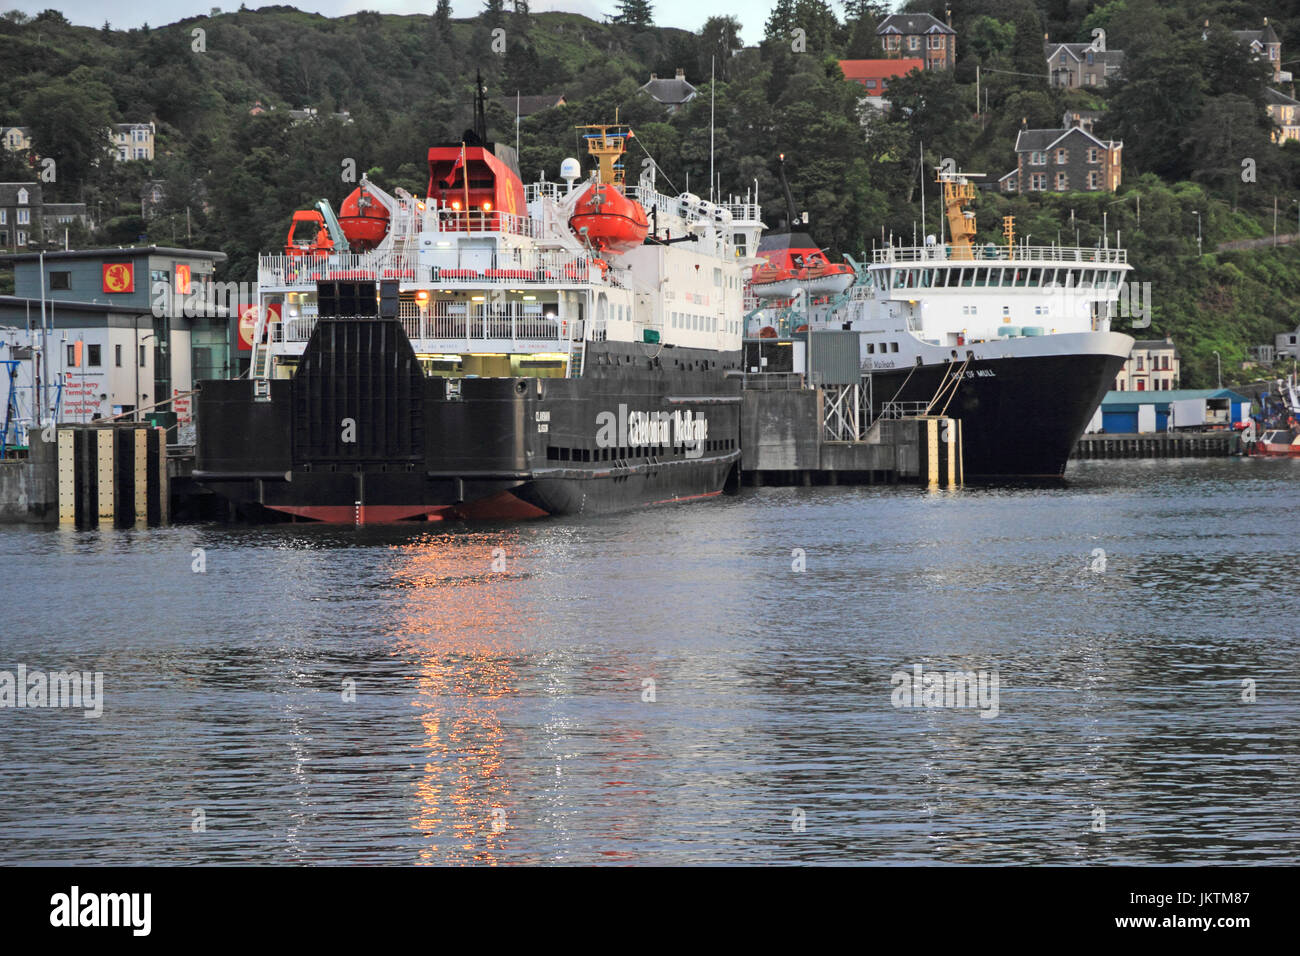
x: 948, y: 13
x: 681, y: 74
x: 654, y: 76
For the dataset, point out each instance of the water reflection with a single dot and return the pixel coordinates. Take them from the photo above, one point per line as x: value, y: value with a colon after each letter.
x: 500, y: 715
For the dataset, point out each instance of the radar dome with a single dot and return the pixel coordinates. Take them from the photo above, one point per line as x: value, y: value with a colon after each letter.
x: 570, y: 169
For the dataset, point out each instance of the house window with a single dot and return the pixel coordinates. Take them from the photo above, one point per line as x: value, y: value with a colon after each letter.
x: 4, y: 217
x: 22, y: 238
x: 1090, y: 58
x: 1094, y: 180
x: 891, y: 42
x: 24, y: 217
x: 914, y: 43
x: 1094, y: 155
x: 121, y: 152
x: 22, y: 197
x: 93, y: 351
x: 72, y: 356
x: 1139, y: 363
x: 60, y: 280
x: 936, y: 42
x: 1038, y: 158
x: 1062, y: 157
x: 870, y: 84
x: 1062, y: 60
x: 1038, y: 182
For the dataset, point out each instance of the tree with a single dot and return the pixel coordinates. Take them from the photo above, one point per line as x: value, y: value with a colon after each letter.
x: 493, y: 12
x: 817, y: 20
x: 635, y: 13
x: 719, y: 39
x: 990, y: 38
x: 780, y: 22
x: 69, y: 119
x: 863, y: 42
x: 1157, y: 99
x: 442, y: 18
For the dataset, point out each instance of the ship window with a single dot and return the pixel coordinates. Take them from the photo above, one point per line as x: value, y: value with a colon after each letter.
x: 981, y: 277
x: 893, y: 346
x: 1035, y: 276
x: 871, y: 348
x: 967, y: 276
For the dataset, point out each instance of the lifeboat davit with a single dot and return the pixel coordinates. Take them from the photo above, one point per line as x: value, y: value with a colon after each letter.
x: 364, y: 220
x: 317, y: 242
x: 613, y: 223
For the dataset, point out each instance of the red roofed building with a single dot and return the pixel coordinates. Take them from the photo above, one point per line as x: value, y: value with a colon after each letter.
x: 875, y: 74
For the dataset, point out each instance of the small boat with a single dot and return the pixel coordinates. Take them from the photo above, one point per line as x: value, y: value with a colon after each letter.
x: 1276, y: 443
x: 794, y: 264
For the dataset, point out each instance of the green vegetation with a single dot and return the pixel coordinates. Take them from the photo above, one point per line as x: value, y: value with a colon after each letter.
x: 1189, y: 110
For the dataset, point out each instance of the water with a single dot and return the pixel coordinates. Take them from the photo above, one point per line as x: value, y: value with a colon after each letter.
x: 499, y: 716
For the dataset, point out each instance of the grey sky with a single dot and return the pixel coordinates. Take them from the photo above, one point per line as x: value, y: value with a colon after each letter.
x: 687, y: 14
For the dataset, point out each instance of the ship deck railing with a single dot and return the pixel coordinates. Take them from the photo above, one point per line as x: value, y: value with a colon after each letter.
x: 904, y: 409
x: 450, y: 268
x: 473, y: 326
x: 478, y: 220
x: 990, y: 253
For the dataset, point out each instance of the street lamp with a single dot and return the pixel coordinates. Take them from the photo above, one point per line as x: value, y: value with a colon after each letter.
x: 1197, y: 214
x: 1218, y: 365
x: 138, y: 343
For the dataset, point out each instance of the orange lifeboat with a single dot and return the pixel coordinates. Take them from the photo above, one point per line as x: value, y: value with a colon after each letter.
x: 602, y: 214
x: 609, y: 220
x: 364, y: 220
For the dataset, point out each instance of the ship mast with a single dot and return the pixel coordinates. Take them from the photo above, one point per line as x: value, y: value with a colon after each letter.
x: 958, y: 190
x: 607, y: 143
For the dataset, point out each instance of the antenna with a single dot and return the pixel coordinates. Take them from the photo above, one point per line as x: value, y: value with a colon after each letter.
x: 789, y: 200
x: 713, y: 87
x: 480, y: 116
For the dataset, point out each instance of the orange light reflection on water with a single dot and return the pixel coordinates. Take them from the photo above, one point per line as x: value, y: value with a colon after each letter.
x: 461, y: 635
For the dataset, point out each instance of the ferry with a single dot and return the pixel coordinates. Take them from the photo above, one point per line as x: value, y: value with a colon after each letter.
x: 491, y: 350
x: 1013, y: 339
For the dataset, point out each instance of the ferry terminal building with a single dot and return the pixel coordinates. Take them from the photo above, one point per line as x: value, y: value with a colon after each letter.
x: 108, y: 350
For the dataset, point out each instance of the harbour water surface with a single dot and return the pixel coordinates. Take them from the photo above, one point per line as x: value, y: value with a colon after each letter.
x: 665, y: 686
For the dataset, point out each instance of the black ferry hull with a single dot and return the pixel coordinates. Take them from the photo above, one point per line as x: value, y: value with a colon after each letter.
x: 1020, y: 416
x: 362, y: 435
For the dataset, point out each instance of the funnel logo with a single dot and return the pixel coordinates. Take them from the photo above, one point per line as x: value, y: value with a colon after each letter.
x: 119, y: 277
